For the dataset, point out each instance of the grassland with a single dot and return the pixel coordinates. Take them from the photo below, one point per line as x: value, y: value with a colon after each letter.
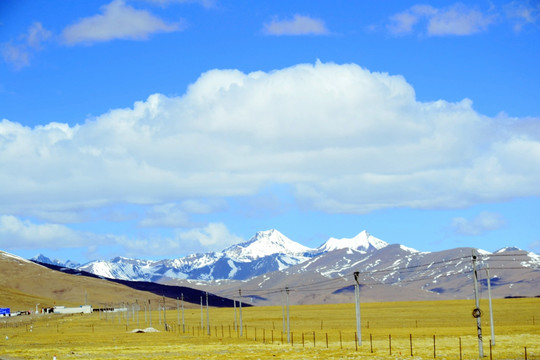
x: 444, y: 324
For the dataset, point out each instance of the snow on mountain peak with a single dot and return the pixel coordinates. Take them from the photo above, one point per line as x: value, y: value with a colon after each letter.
x: 265, y: 243
x: 363, y: 242
x: 44, y: 259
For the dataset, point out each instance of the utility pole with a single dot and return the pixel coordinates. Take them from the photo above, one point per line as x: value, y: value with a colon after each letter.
x: 183, y: 322
x: 138, y: 310
x: 357, y: 298
x: 164, y: 314
x: 202, y: 321
x: 235, y: 323
x: 282, y: 312
x: 150, y: 312
x: 207, y: 316
x: 240, y: 310
x: 288, y: 322
x: 476, y: 312
x: 490, y: 307
x: 177, y: 311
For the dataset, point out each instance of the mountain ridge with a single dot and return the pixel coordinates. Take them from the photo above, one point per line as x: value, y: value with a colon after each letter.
x: 264, y: 252
x: 388, y: 271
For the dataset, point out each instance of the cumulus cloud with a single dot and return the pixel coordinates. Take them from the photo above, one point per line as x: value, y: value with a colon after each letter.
x: 457, y: 19
x: 17, y: 234
x: 18, y: 53
x: 341, y: 138
x: 210, y: 237
x: 117, y: 21
x: 484, y: 222
x: 24, y: 234
x: 298, y: 25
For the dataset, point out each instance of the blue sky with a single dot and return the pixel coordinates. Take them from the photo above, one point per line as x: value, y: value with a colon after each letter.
x: 158, y: 128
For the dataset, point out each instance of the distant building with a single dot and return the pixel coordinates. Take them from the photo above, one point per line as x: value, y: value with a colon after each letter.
x: 83, y: 309
x: 5, y: 312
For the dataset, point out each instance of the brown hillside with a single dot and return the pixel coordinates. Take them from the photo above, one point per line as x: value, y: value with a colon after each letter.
x: 24, y: 284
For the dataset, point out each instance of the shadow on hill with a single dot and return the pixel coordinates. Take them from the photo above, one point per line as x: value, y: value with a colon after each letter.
x: 190, y: 295
x: 347, y: 289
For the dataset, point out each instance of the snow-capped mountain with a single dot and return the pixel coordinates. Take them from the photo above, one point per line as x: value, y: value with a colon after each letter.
x: 363, y: 242
x: 265, y: 243
x: 266, y: 251
x: 45, y: 260
x: 270, y: 260
x: 120, y: 268
x: 394, y: 272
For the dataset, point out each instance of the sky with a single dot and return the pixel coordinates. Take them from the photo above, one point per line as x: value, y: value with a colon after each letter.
x: 159, y: 128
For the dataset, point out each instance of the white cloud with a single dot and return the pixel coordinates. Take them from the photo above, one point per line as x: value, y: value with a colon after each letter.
x: 166, y: 215
x: 344, y: 139
x: 204, y: 3
x: 37, y: 35
x: 484, y: 222
x: 117, y: 21
x: 522, y: 13
x: 213, y: 237
x: 176, y: 215
x: 457, y: 19
x: 23, y: 234
x: 298, y: 25
x: 18, y: 53
x: 403, y: 23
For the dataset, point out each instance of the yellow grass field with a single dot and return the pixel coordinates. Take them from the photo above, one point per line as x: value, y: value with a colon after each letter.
x: 432, y: 329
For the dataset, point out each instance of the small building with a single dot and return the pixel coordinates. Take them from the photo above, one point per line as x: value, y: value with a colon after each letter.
x: 5, y: 312
x: 83, y: 309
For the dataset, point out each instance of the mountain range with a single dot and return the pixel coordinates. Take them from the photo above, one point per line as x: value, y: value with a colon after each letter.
x: 270, y: 262
x: 265, y: 252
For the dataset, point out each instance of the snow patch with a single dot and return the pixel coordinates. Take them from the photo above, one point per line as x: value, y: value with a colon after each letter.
x: 363, y: 241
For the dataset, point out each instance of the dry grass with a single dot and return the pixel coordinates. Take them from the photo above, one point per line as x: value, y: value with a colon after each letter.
x: 24, y: 284
x: 97, y: 337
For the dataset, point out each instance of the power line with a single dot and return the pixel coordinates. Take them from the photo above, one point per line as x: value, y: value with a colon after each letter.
x: 401, y: 271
